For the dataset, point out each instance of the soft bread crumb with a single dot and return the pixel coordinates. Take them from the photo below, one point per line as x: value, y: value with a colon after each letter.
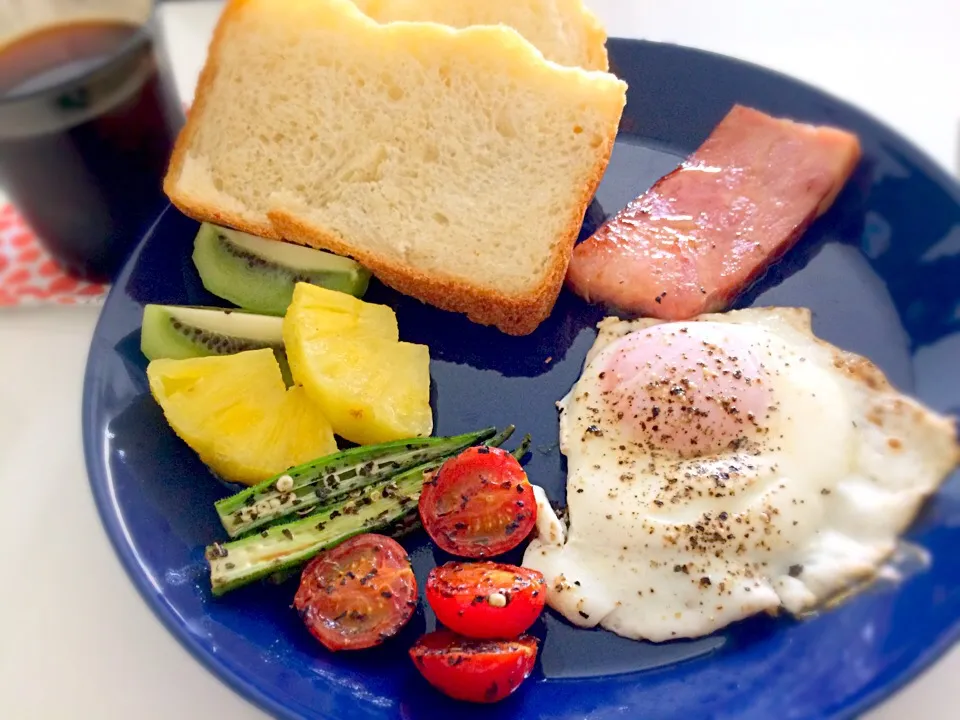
x: 455, y: 164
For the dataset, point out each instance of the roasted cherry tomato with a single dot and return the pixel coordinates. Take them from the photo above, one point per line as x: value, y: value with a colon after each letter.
x: 486, y: 600
x: 357, y: 594
x: 482, y: 671
x: 479, y: 504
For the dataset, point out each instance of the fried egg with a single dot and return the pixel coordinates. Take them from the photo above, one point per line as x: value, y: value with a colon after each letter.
x: 726, y: 466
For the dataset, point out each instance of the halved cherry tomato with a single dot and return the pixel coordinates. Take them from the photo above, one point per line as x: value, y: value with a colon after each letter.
x: 481, y: 671
x: 486, y: 600
x: 357, y: 594
x: 479, y: 504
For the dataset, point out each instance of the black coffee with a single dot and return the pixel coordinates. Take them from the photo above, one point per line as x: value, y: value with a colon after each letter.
x: 87, y: 123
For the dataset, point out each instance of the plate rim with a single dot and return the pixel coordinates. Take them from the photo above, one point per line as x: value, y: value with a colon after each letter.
x: 930, y: 165
x: 115, y: 532
x: 101, y: 486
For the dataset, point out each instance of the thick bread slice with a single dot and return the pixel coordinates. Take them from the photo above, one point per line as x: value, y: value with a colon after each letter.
x: 454, y: 164
x: 563, y: 30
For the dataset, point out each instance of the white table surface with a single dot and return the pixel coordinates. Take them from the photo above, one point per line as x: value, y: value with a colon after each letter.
x: 76, y: 641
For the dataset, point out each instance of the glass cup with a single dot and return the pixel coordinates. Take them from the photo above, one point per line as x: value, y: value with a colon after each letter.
x: 88, y: 117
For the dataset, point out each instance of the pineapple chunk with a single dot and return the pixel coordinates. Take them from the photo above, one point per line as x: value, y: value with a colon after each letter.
x: 372, y: 388
x: 319, y: 311
x: 238, y: 416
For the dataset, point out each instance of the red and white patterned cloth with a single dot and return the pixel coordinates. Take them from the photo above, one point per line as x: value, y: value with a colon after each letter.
x: 28, y: 275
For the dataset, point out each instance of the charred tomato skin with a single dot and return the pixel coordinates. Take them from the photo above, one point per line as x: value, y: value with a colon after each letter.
x: 357, y: 594
x: 478, y: 671
x: 479, y: 504
x: 486, y: 600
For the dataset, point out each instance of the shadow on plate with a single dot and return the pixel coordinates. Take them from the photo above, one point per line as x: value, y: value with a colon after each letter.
x: 842, y: 223
x: 178, y: 487
x: 454, y: 339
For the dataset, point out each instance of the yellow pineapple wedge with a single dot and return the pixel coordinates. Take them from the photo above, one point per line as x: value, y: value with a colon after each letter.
x: 238, y: 415
x: 328, y: 312
x: 371, y: 387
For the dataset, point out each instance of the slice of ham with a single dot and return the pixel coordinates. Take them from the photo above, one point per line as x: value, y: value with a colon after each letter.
x: 704, y: 232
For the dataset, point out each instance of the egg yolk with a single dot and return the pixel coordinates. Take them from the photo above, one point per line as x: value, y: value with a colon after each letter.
x: 689, y: 388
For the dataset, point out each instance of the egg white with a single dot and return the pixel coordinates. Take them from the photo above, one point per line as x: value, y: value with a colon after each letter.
x: 662, y: 546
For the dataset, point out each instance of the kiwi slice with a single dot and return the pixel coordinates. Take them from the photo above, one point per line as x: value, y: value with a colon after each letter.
x: 176, y: 332
x: 259, y: 275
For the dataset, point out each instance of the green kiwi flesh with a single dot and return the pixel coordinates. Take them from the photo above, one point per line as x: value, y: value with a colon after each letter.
x: 259, y: 275
x: 184, y: 332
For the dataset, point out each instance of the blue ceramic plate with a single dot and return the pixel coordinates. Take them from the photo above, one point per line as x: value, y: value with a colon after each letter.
x: 881, y: 272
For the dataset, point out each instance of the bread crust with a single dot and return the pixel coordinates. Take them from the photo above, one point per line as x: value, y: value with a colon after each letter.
x: 185, y: 203
x: 512, y: 314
